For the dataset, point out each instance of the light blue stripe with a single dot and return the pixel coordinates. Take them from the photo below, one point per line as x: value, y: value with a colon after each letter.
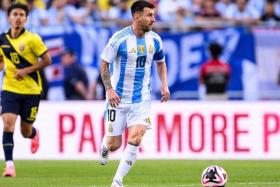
x: 139, y: 73
x: 123, y: 59
x: 106, y: 112
x: 120, y: 35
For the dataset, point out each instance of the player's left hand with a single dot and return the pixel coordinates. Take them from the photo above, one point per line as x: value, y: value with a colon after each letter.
x: 20, y: 74
x: 164, y: 93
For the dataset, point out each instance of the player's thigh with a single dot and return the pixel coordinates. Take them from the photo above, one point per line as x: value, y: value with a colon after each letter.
x: 115, y: 120
x: 139, y: 120
x: 139, y: 114
x: 29, y: 109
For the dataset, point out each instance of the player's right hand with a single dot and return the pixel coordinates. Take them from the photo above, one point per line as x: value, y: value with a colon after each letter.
x: 113, y: 97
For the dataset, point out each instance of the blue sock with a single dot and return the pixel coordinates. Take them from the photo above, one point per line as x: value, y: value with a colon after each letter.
x: 8, y: 145
x: 33, y: 134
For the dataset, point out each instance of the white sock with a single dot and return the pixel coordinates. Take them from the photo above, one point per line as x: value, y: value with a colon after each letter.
x: 9, y: 163
x: 104, y: 142
x: 128, y: 159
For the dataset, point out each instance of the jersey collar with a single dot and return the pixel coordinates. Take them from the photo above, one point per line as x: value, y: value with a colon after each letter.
x: 21, y: 32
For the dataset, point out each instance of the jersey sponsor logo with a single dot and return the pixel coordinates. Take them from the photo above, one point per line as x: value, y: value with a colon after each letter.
x: 151, y: 49
x: 132, y: 50
x: 5, y: 46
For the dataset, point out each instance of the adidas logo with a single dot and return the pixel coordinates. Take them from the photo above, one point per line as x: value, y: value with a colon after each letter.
x: 132, y: 50
x: 129, y: 162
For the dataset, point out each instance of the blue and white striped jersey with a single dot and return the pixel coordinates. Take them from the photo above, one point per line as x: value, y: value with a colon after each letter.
x: 132, y: 58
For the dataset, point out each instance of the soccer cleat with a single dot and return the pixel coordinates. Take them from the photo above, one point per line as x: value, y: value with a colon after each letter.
x: 9, y: 172
x: 104, y: 153
x: 117, y: 183
x: 35, y: 142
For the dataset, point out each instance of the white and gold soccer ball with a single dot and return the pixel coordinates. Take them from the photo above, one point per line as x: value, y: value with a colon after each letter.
x: 214, y: 176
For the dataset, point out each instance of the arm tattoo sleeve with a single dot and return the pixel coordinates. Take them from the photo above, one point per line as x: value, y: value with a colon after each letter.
x: 105, y: 75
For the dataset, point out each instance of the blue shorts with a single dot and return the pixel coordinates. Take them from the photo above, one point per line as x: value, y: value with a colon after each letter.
x: 21, y: 104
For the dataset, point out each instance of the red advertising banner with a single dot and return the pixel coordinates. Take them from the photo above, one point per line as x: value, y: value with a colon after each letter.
x: 180, y: 130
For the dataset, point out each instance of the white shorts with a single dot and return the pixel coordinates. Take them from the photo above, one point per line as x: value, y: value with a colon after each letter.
x: 126, y: 115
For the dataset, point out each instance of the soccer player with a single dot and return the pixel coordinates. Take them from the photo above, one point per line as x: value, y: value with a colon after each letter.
x: 19, y: 52
x: 215, y: 74
x: 131, y: 52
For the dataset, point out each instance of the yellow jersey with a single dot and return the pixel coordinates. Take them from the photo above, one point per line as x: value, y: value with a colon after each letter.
x: 18, y: 53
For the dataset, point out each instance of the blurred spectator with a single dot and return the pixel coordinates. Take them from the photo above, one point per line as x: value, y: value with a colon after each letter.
x: 104, y: 5
x: 223, y: 5
x: 75, y: 3
x: 89, y: 12
x: 4, y: 4
x: 277, y: 7
x: 37, y: 17
x: 37, y: 3
x: 167, y: 9
x: 208, y: 15
x: 75, y: 79
x: 242, y: 14
x: 269, y: 16
x: 257, y: 5
x: 62, y: 14
x: 208, y: 10
x: 97, y: 90
x: 214, y: 74
x: 184, y: 19
x: 196, y: 6
x: 120, y: 14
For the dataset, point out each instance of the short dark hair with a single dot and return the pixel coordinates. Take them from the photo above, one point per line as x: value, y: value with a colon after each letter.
x: 69, y: 51
x: 215, y: 49
x: 138, y: 6
x: 18, y: 5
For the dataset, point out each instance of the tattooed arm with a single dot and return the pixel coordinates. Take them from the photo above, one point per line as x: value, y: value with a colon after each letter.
x: 111, y: 94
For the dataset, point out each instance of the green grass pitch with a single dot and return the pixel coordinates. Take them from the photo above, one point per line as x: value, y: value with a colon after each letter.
x: 145, y: 173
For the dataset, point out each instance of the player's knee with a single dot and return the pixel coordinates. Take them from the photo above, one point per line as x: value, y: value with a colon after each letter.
x: 9, y: 125
x: 113, y: 146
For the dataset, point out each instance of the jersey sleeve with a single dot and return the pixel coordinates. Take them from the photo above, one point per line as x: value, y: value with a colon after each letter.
x: 39, y: 48
x: 110, y: 51
x: 159, y: 54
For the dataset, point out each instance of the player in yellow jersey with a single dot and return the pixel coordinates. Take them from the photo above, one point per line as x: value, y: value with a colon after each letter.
x: 20, y: 51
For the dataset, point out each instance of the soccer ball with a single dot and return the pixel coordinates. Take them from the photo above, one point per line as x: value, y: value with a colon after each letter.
x: 214, y: 176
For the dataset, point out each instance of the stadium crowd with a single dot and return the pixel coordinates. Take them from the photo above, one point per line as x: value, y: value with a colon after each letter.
x: 176, y: 15
x: 172, y: 16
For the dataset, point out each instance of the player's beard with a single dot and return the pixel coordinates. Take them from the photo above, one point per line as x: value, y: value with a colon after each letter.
x: 147, y: 28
